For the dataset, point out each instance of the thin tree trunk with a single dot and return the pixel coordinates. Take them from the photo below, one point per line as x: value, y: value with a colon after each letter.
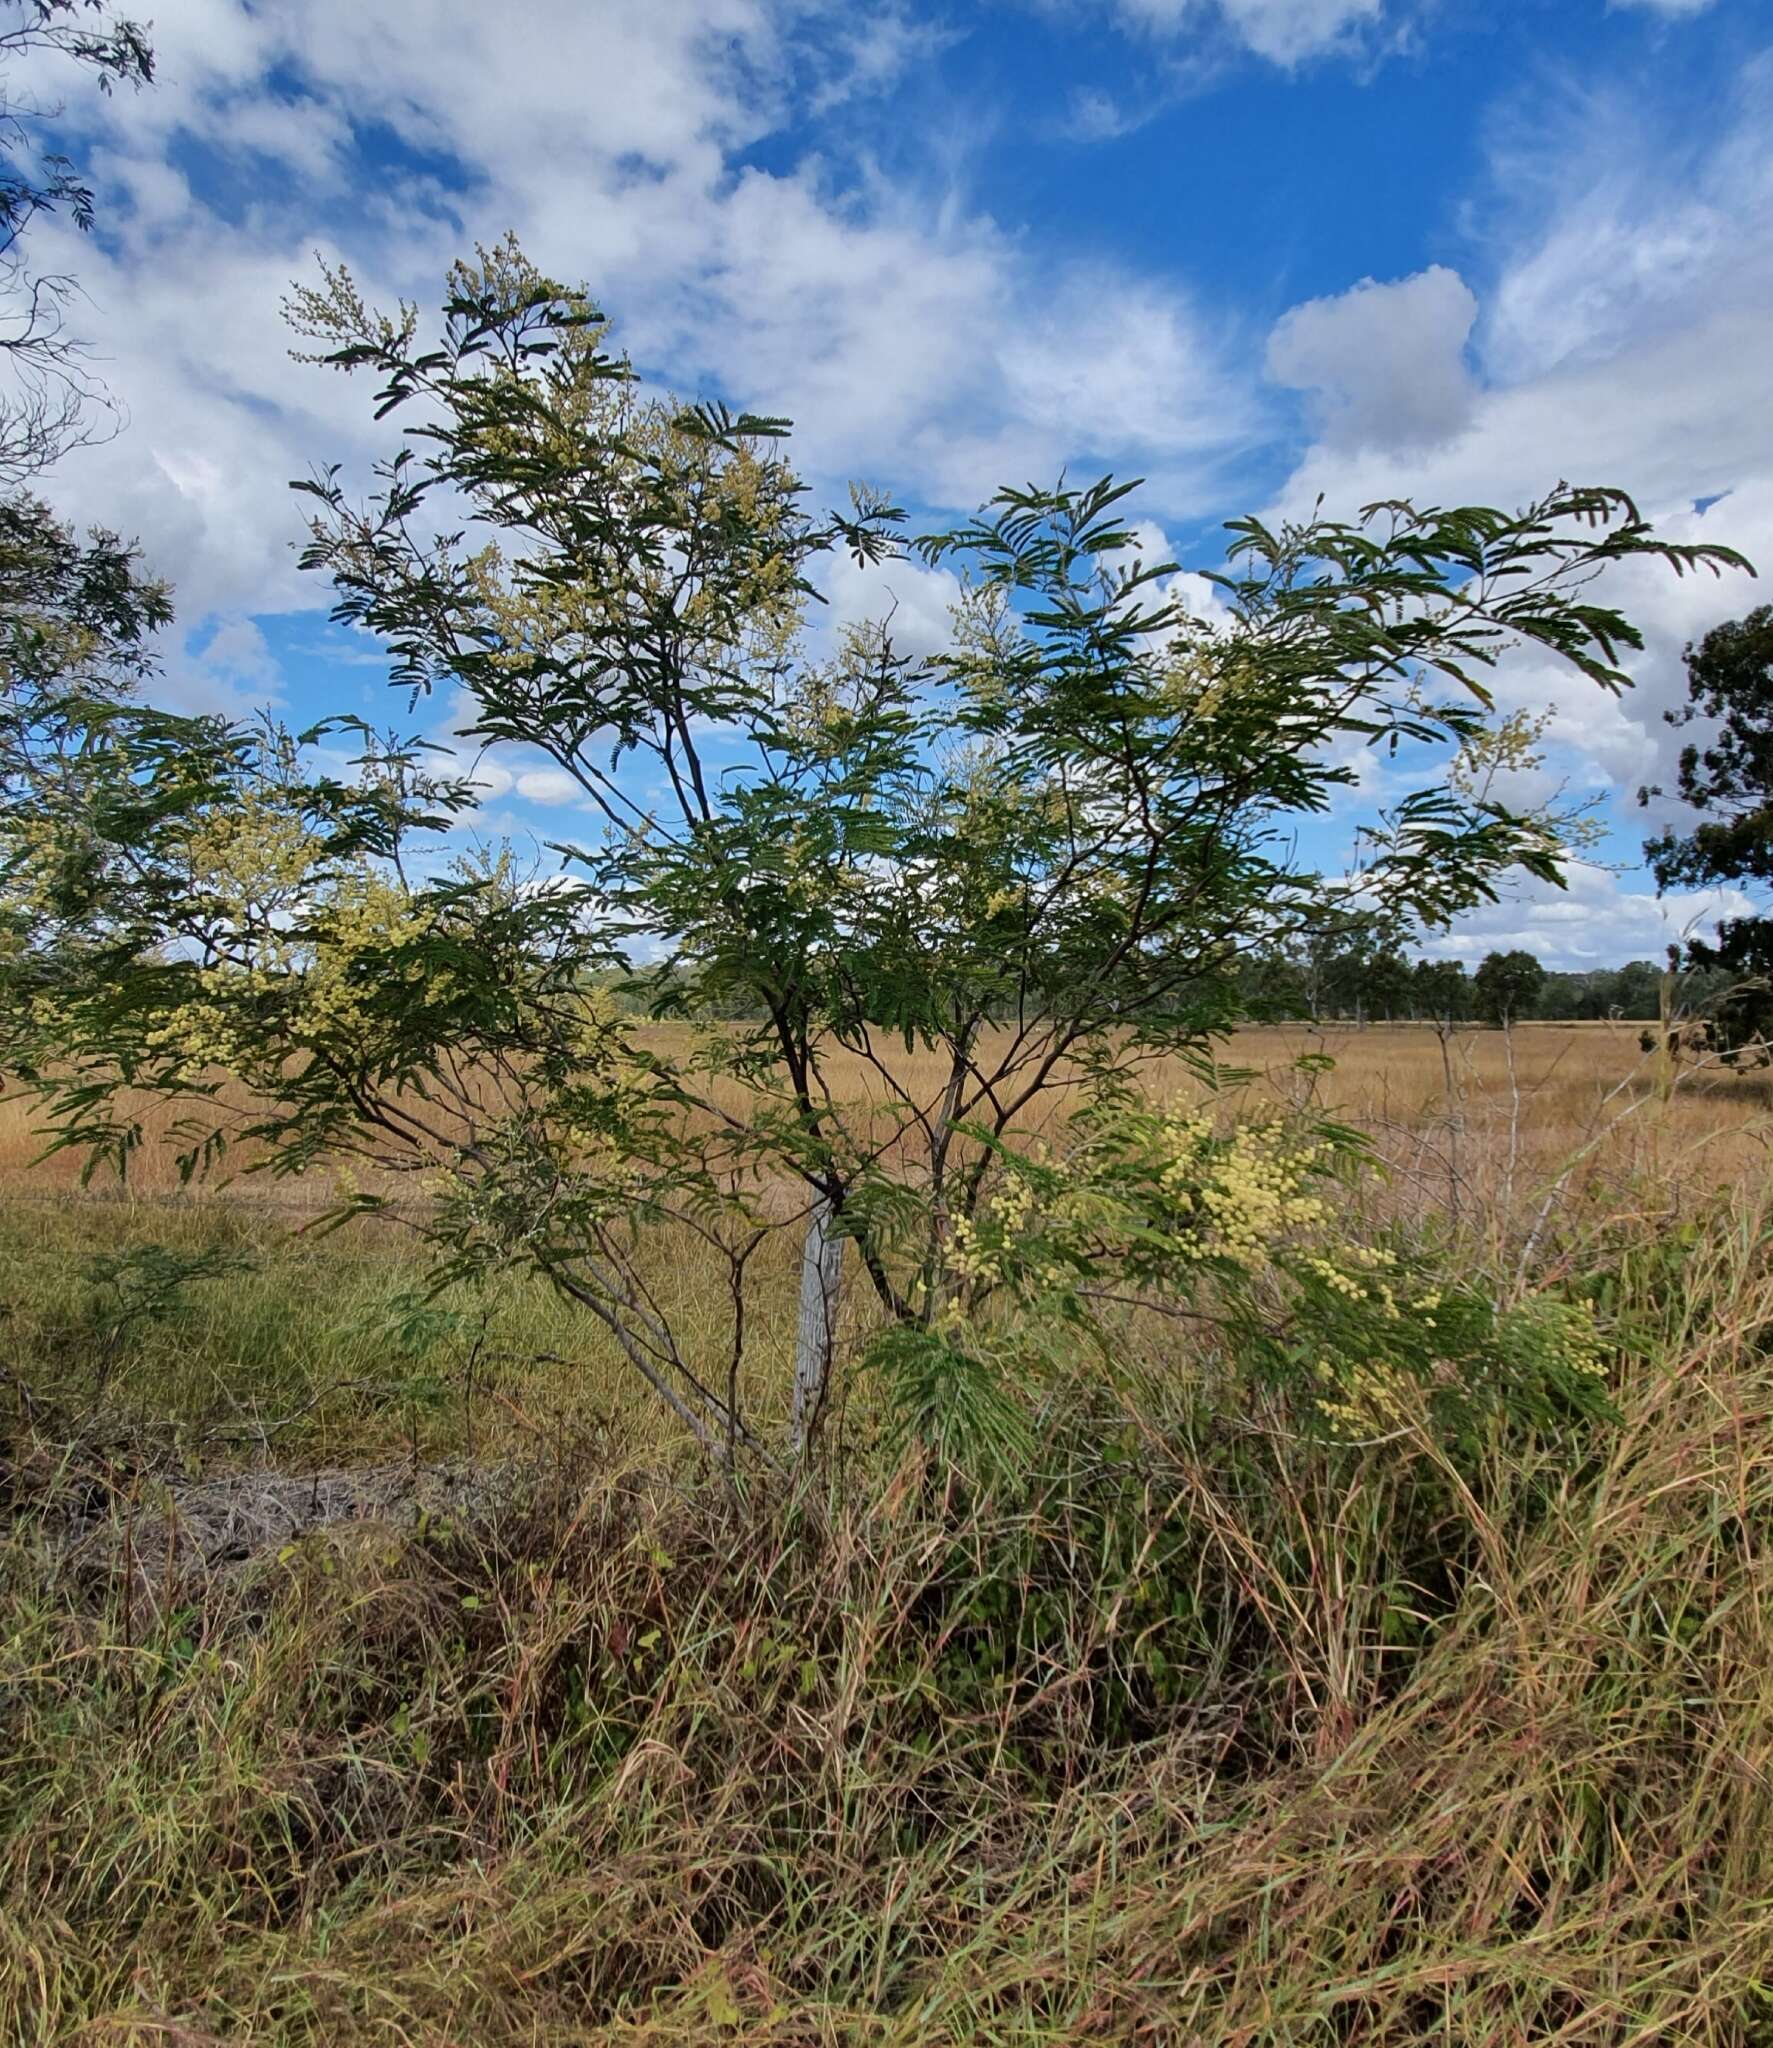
x: 1455, y: 1117
x: 821, y: 1269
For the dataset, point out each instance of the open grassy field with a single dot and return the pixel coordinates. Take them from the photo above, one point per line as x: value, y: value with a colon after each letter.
x: 369, y: 1677
x: 1536, y: 1098
x: 1497, y: 1139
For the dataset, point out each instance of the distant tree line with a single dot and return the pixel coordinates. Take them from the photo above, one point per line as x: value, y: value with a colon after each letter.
x: 1353, y: 981
x: 1357, y: 984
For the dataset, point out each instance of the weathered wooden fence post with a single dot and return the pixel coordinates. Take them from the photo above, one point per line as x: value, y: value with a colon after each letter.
x: 821, y: 1269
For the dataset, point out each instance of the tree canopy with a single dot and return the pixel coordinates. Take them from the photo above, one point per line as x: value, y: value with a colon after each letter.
x: 1728, y: 782
x: 46, y: 407
x: 1035, y: 858
x: 1506, y: 984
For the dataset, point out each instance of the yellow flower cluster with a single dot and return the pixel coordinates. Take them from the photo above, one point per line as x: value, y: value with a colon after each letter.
x: 1252, y: 1193
x: 1004, y: 1214
x: 38, y: 849
x: 1374, y: 1399
x: 1584, y: 1351
x: 1334, y: 1278
x: 367, y: 917
x: 1007, y: 1219
x: 1201, y: 676
x: 253, y: 852
x: 206, y: 1033
x: 363, y: 916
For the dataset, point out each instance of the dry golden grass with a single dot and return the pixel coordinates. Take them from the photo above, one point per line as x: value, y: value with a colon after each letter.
x: 1205, y: 1730
x: 1481, y: 1123
x: 1232, y: 1737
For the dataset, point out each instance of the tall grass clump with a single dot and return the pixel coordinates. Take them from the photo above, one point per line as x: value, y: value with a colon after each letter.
x: 1196, y: 1722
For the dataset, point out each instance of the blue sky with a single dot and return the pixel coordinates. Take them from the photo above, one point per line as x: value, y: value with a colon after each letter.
x: 1254, y: 250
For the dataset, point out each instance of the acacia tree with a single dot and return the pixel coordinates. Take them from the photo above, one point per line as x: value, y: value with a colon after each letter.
x: 1036, y: 860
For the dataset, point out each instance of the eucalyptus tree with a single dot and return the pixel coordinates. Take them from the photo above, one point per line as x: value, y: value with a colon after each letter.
x: 1506, y: 986
x: 1727, y: 783
x: 906, y: 908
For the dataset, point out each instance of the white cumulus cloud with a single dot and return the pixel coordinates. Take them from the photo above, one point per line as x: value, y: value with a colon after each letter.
x: 548, y: 786
x: 1384, y: 362
x: 1286, y: 32
x: 911, y: 338
x: 1597, y: 920
x: 1623, y: 339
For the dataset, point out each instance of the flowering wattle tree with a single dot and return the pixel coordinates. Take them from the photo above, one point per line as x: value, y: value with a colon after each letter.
x: 1034, y: 859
